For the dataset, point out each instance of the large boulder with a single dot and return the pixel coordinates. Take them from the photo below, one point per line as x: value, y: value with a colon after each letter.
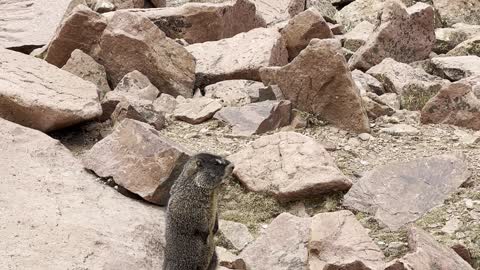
x: 80, y: 30
x: 455, y: 68
x: 451, y: 12
x: 408, y: 190
x: 85, y: 67
x: 456, y: 105
x: 36, y: 94
x: 414, y: 86
x: 405, y: 34
x: 318, y: 81
x: 303, y: 28
x: 30, y: 24
x: 278, y: 10
x: 256, y: 118
x: 427, y: 254
x: 276, y: 249
x: 139, y: 159
x: 201, y: 22
x: 132, y: 42
x: 338, y: 241
x: 238, y: 57
x: 293, y: 166
x: 55, y: 215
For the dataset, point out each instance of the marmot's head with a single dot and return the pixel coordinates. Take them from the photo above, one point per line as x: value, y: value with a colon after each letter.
x: 210, y: 170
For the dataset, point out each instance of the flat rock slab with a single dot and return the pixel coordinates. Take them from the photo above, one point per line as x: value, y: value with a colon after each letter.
x: 256, y: 118
x: 238, y: 57
x: 400, y: 193
x: 36, y: 94
x: 318, y: 81
x: 132, y: 42
x: 294, y: 167
x: 197, y: 110
x: 276, y: 249
x: 57, y: 216
x: 455, y: 68
x: 201, y: 22
x: 456, y: 105
x: 239, y: 92
x: 29, y: 24
x: 338, y: 241
x: 427, y: 254
x: 139, y: 159
x: 405, y: 35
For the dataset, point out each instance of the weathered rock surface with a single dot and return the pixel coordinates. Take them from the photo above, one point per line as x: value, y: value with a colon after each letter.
x: 362, y: 10
x: 197, y: 110
x: 36, y: 94
x: 132, y: 42
x: 138, y: 85
x: 294, y: 167
x: 85, y: 67
x: 366, y: 83
x: 256, y: 118
x: 165, y: 103
x: 55, y: 215
x: 29, y: 24
x: 303, y: 28
x: 399, y: 193
x: 82, y: 29
x: 138, y: 159
x: 235, y: 233
x: 473, y: 81
x: 427, y: 254
x: 239, y: 57
x: 358, y: 36
x: 338, y: 241
x: 375, y: 107
x: 401, y: 130
x: 126, y: 4
x: 318, y: 81
x: 448, y: 38
x: 455, y: 68
x: 414, y: 86
x: 280, y: 250
x: 467, y: 47
x: 201, y: 22
x: 279, y: 10
x: 451, y: 12
x: 456, y: 105
x: 239, y: 92
x: 406, y: 35
x: 140, y: 110
x: 325, y: 8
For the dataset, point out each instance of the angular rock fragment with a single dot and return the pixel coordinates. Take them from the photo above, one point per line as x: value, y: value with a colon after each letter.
x: 279, y: 10
x: 318, y: 81
x: 138, y: 85
x: 448, y: 38
x: 427, y: 254
x: 280, y: 250
x: 406, y: 35
x: 165, y: 103
x: 256, y: 118
x: 375, y: 107
x: 455, y: 68
x: 140, y: 110
x: 239, y: 57
x: 451, y: 12
x: 456, y: 105
x: 467, y: 47
x: 196, y: 110
x: 80, y: 30
x: 239, y: 92
x: 85, y: 67
x: 139, y: 159
x: 399, y: 193
x: 303, y: 28
x: 414, y: 86
x: 401, y: 130
x: 48, y: 197
x: 338, y: 241
x: 358, y: 36
x: 325, y: 8
x: 38, y: 95
x: 132, y: 42
x: 235, y: 233
x: 294, y: 167
x: 366, y: 83
x: 201, y: 22
x: 473, y: 81
x: 27, y: 25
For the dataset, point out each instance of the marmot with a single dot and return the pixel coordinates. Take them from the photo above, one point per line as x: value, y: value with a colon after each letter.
x: 192, y: 218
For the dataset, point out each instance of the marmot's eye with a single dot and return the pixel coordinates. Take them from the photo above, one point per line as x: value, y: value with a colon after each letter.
x: 199, y: 163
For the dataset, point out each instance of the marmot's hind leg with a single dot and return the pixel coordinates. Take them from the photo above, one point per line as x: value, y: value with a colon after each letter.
x: 213, y: 262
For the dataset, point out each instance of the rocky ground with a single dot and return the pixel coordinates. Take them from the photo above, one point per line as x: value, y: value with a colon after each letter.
x: 354, y: 127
